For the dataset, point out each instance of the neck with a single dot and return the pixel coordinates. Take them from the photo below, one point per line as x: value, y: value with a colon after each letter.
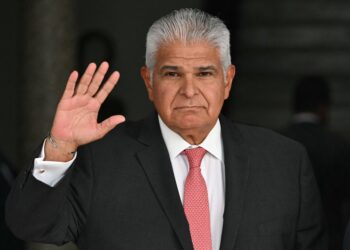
x: 194, y: 138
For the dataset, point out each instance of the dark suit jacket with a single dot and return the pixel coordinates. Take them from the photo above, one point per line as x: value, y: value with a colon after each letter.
x: 330, y: 157
x: 121, y: 194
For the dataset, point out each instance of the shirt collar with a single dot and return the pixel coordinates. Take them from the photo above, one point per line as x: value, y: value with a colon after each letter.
x: 176, y: 144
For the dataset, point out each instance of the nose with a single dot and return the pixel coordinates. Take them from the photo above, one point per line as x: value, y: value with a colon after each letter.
x: 188, y: 87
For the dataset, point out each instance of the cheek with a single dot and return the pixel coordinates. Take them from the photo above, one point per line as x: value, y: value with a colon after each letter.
x: 163, y: 97
x: 215, y: 97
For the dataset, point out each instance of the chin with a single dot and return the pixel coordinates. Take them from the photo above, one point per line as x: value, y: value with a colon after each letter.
x: 191, y: 123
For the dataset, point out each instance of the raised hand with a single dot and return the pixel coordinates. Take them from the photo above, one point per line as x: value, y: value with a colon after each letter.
x: 75, y: 121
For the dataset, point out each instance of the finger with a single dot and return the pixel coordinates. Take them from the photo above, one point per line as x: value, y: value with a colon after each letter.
x: 86, y: 79
x: 107, y: 87
x: 69, y: 90
x: 98, y: 78
x: 107, y: 125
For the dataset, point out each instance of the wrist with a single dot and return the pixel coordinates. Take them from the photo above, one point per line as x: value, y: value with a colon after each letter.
x: 62, y: 145
x: 59, y: 150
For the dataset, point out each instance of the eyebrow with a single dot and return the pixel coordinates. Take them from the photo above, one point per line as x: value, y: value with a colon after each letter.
x: 168, y: 67
x: 200, y: 68
x: 205, y: 68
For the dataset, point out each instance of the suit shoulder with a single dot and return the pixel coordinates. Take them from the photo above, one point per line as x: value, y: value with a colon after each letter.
x: 125, y: 134
x: 126, y: 128
x: 265, y: 138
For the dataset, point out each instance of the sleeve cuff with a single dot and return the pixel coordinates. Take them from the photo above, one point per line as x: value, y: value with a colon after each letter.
x: 50, y: 172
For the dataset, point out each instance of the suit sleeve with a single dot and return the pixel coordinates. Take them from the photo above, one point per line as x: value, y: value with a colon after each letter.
x: 40, y: 213
x: 311, y: 232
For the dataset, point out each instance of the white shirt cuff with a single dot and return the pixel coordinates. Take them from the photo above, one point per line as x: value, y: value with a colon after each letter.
x: 50, y: 172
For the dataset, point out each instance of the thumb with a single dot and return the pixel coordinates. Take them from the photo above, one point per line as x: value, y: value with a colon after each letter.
x: 108, y: 124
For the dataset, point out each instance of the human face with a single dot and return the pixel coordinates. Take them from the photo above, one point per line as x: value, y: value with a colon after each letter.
x: 188, y: 87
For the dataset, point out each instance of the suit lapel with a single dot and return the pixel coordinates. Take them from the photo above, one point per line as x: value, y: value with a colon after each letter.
x: 157, y: 166
x: 236, y: 173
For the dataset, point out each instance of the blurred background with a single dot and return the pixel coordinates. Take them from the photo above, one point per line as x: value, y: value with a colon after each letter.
x: 274, y: 44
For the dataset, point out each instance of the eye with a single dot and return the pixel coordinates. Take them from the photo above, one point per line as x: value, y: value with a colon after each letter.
x: 171, y: 74
x: 205, y: 73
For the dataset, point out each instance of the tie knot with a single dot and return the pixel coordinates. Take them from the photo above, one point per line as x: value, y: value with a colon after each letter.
x: 195, y: 156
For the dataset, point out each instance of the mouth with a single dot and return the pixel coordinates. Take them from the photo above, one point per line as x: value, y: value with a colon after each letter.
x: 189, y: 107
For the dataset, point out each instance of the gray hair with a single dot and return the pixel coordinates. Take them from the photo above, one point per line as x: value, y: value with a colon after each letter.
x: 188, y: 25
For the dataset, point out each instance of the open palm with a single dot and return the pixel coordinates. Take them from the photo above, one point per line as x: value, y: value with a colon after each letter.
x: 75, y: 120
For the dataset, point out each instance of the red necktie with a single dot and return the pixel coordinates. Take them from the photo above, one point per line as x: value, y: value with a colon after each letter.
x: 196, y: 203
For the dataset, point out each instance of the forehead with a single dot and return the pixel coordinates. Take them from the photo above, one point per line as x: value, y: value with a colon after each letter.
x: 187, y: 54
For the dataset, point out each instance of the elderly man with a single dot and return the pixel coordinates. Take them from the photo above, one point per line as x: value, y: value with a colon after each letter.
x: 184, y: 177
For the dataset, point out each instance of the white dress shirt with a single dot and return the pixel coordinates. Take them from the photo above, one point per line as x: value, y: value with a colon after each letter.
x: 212, y: 169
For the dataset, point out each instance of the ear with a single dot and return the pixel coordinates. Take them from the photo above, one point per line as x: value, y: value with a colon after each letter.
x: 230, y: 74
x: 146, y: 76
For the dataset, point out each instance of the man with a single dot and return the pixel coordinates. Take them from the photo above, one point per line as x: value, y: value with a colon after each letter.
x: 182, y: 178
x: 329, y: 153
